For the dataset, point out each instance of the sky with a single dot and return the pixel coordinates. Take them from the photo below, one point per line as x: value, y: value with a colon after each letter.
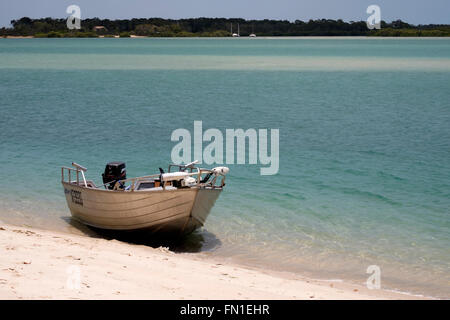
x: 411, y: 11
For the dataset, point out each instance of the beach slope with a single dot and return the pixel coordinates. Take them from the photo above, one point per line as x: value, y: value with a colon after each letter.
x: 42, y: 264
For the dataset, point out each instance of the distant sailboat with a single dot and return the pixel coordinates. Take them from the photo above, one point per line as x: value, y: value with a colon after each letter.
x: 252, y: 35
x: 234, y: 34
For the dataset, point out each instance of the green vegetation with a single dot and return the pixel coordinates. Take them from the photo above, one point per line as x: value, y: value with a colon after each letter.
x: 215, y: 27
x: 389, y: 32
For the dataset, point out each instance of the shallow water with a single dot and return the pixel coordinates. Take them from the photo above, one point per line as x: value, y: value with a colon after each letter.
x: 364, y: 142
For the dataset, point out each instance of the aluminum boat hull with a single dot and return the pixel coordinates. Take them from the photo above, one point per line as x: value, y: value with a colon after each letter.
x: 179, y: 211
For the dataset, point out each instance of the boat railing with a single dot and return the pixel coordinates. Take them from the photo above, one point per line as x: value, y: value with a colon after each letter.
x: 214, y: 183
x: 196, y: 172
x: 191, y: 166
x: 78, y: 170
x: 182, y: 167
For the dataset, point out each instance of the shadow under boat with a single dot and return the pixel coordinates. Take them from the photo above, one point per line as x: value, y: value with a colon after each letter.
x: 197, y: 241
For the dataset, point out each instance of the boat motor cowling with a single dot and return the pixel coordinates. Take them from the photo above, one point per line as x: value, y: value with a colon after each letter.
x: 114, y: 171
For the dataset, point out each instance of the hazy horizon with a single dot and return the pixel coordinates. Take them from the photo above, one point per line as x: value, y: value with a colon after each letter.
x: 413, y: 11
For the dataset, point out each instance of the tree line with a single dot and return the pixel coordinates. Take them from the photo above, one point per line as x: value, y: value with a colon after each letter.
x: 214, y: 27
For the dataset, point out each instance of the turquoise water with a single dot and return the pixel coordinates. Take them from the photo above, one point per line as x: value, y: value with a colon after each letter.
x: 364, y: 173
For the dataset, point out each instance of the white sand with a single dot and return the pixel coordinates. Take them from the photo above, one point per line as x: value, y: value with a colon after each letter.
x: 41, y: 264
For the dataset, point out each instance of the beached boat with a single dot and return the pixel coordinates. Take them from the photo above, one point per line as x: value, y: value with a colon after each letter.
x: 174, y: 202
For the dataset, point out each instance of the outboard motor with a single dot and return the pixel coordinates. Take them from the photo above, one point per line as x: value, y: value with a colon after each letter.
x: 114, y: 171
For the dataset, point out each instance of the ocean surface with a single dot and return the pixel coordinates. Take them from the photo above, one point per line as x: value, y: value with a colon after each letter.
x: 364, y: 124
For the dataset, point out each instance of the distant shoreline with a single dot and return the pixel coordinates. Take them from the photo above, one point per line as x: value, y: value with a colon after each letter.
x: 215, y: 27
x: 18, y: 37
x: 242, y: 37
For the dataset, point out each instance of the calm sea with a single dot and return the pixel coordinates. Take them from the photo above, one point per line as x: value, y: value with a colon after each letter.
x: 364, y: 126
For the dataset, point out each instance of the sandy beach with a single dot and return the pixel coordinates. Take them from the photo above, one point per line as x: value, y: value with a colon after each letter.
x: 42, y: 264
